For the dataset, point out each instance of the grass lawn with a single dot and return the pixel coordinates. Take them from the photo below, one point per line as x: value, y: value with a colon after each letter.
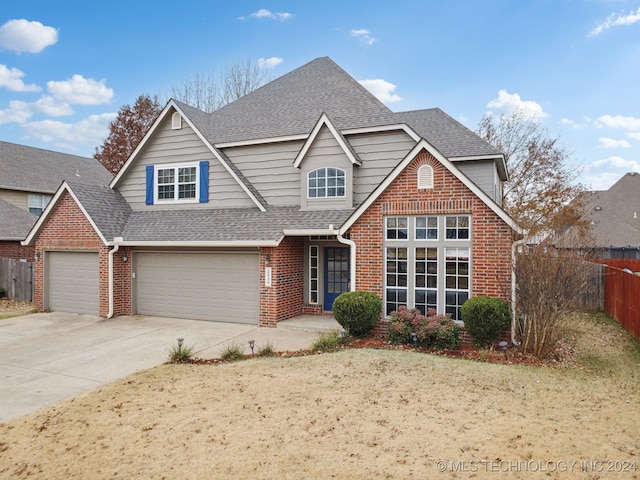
x: 356, y: 413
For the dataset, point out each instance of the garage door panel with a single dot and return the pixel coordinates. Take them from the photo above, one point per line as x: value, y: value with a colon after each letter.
x: 206, y: 286
x: 73, y: 282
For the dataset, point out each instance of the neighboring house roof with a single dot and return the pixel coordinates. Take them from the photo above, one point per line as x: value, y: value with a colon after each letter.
x: 36, y: 170
x: 15, y: 223
x: 615, y: 213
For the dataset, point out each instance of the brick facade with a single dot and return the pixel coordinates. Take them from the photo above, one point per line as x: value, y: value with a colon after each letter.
x: 13, y: 249
x: 67, y: 229
x: 491, y: 236
x: 285, y: 297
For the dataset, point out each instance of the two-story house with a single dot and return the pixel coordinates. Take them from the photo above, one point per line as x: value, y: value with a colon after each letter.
x: 29, y: 177
x: 273, y: 205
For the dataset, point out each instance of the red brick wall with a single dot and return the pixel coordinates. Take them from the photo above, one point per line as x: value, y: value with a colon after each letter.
x: 285, y: 298
x: 13, y: 249
x: 492, y: 237
x: 67, y: 228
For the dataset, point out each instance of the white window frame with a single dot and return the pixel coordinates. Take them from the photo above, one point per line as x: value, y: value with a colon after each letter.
x: 37, y: 201
x: 314, y: 274
x: 326, y: 183
x: 176, y: 167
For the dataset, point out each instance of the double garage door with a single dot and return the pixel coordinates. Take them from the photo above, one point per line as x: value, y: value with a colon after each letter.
x: 221, y: 286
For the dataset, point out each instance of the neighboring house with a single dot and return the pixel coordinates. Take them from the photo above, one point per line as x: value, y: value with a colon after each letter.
x: 29, y: 177
x: 614, y: 218
x: 273, y: 205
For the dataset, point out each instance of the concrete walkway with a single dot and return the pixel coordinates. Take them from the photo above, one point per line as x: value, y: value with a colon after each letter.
x: 47, y: 357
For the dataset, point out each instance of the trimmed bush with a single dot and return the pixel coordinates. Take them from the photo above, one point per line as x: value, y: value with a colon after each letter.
x: 432, y: 330
x: 357, y: 312
x: 485, y: 318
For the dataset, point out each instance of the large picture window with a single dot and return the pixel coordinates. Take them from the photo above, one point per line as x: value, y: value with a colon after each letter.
x: 427, y: 263
x: 326, y: 183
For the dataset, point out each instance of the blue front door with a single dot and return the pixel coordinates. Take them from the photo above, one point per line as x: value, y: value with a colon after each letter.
x: 336, y: 274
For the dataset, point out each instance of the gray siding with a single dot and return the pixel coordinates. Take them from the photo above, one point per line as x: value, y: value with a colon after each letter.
x: 485, y: 175
x: 326, y: 152
x: 169, y: 146
x: 380, y: 153
x: 269, y: 167
x: 15, y: 197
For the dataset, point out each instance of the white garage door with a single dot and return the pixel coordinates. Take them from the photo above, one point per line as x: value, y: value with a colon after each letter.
x: 72, y: 282
x: 205, y: 286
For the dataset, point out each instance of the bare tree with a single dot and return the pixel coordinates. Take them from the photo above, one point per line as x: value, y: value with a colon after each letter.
x: 541, y: 182
x: 126, y: 132
x: 210, y: 91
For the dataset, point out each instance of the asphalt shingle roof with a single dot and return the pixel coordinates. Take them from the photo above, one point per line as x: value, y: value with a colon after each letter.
x: 226, y: 225
x: 15, y: 223
x: 615, y: 213
x: 37, y: 170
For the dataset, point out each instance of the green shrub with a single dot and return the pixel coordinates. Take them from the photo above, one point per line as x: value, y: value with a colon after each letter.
x: 357, y: 312
x: 181, y: 353
x: 232, y: 353
x: 329, y: 341
x: 485, y: 318
x: 431, y: 330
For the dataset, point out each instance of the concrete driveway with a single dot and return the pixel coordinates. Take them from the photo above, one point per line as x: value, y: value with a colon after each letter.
x: 47, y: 357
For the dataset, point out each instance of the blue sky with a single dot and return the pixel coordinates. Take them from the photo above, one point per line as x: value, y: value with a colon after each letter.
x: 67, y: 66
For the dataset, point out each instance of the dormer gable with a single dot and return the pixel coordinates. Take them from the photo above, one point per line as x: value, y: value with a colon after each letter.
x: 324, y: 121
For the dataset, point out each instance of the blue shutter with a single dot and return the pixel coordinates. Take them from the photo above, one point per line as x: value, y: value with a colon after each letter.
x: 149, y: 196
x: 204, y: 181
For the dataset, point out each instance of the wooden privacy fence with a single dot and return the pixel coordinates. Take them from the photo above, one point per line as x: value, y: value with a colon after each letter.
x: 17, y: 279
x: 622, y: 293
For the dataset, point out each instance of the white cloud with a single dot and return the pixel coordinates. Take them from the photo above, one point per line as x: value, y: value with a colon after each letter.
x: 382, y: 89
x: 618, y: 162
x: 18, y: 112
x: 364, y: 35
x: 270, y: 62
x: 24, y: 36
x: 264, y: 13
x: 616, y: 20
x: 612, y: 143
x: 88, y: 132
x: 52, y: 107
x: 11, y: 79
x: 618, y: 121
x: 509, y: 103
x: 81, y: 91
x: 634, y: 135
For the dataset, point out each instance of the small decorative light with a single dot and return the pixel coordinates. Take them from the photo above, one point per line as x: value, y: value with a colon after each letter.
x: 503, y: 346
x: 267, y: 259
x: 252, y: 344
x: 37, y: 255
x: 125, y: 257
x: 180, y: 340
x: 414, y: 337
x: 343, y: 333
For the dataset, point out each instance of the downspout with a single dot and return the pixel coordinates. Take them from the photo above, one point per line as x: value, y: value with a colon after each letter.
x: 116, y: 247
x: 514, y: 248
x: 352, y: 254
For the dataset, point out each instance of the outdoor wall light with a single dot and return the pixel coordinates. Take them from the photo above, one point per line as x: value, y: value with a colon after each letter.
x: 37, y: 256
x: 267, y: 259
x: 125, y: 257
x: 252, y: 344
x: 503, y: 346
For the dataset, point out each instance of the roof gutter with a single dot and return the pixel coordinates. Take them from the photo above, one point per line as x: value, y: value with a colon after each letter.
x: 514, y: 251
x: 352, y: 259
x: 154, y: 243
x: 116, y: 244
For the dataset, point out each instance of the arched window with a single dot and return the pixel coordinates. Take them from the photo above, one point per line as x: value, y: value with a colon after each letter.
x: 326, y: 183
x: 176, y: 121
x: 425, y: 176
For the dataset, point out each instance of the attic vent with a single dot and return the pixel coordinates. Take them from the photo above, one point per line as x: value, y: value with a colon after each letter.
x: 176, y: 121
x: 425, y: 177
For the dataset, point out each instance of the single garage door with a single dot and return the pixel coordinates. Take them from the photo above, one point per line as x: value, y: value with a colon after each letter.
x: 205, y: 286
x: 72, y: 282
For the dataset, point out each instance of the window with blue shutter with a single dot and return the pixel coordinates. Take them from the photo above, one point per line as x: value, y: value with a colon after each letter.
x: 204, y: 181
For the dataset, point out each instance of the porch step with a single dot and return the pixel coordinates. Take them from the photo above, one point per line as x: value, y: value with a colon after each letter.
x: 312, y: 323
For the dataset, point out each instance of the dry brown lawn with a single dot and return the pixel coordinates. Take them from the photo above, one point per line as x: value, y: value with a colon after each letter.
x: 357, y: 413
